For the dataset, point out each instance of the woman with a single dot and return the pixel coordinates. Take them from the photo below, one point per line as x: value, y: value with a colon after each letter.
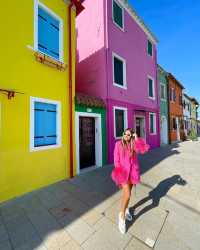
x: 127, y: 172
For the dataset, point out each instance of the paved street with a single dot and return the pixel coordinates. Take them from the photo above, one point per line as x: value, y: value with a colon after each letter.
x: 81, y: 213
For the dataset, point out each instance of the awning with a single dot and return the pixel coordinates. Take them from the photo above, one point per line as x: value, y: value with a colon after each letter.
x: 89, y: 101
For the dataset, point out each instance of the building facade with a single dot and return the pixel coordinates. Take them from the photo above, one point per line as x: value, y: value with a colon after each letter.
x: 163, y: 83
x: 194, y: 114
x: 36, y: 85
x: 119, y: 66
x: 187, y: 114
x: 175, y: 90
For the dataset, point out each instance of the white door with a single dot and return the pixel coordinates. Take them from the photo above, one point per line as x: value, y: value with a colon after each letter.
x: 140, y: 126
x: 178, y: 129
x: 164, y: 130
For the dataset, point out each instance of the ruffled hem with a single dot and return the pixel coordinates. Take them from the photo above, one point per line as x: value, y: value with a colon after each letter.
x: 119, y: 176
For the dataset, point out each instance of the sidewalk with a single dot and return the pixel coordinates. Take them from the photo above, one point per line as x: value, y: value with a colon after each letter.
x: 81, y: 213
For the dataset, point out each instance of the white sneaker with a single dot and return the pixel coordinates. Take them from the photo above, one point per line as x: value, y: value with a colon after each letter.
x: 128, y: 215
x: 122, y: 224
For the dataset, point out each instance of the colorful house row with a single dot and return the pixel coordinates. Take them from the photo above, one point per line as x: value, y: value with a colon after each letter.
x: 178, y: 111
x: 75, y: 76
x: 37, y: 89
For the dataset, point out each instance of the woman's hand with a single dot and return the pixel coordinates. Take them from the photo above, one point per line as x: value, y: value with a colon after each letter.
x: 135, y: 136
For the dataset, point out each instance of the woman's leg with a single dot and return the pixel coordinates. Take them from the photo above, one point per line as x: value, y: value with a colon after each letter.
x: 126, y: 194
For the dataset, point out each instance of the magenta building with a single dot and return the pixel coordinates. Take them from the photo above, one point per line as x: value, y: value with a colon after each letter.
x: 117, y: 61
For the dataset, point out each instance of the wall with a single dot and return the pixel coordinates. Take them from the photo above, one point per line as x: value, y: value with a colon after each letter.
x: 21, y: 170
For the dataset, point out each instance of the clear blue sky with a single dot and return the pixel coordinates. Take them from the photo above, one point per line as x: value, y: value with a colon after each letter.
x: 176, y: 24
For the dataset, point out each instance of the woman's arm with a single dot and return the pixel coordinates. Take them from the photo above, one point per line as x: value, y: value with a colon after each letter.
x: 140, y: 146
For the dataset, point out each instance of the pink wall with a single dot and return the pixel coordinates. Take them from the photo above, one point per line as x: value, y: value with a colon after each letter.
x: 131, y: 45
x: 91, y: 51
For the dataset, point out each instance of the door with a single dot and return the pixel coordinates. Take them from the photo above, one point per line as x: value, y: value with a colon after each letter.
x: 164, y: 130
x: 87, y: 141
x: 178, y: 129
x: 140, y: 127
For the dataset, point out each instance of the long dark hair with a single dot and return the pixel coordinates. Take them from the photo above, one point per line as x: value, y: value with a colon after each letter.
x: 124, y: 142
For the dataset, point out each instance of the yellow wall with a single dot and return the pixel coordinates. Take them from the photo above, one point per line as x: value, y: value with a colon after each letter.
x: 21, y: 170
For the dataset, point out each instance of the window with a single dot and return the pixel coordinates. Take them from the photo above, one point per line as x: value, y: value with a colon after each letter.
x: 118, y: 15
x: 149, y: 48
x: 180, y: 100
x: 184, y: 104
x: 162, y: 91
x: 172, y: 95
x: 174, y: 126
x: 48, y: 32
x: 152, y: 123
x: 119, y: 71
x: 151, y: 88
x: 120, y: 121
x: 45, y: 124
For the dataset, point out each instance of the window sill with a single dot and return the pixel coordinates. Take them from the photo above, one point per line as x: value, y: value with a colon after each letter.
x: 49, y: 61
x: 152, y: 98
x: 118, y: 26
x: 120, y: 86
x: 41, y: 148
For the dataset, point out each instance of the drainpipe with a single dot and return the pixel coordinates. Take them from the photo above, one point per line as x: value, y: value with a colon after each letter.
x: 70, y: 92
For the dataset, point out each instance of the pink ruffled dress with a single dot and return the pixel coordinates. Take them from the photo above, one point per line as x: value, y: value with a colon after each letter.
x: 127, y: 169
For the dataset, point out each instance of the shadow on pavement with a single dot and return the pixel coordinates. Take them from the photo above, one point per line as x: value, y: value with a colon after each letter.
x: 156, y: 194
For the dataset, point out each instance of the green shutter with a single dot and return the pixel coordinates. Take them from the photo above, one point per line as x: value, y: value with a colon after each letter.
x: 119, y: 122
x: 150, y: 48
x: 118, y: 71
x: 118, y: 14
x: 151, y: 123
x: 150, y: 88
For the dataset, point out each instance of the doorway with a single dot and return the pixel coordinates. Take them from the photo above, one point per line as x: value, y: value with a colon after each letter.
x: 164, y: 130
x: 88, y: 141
x: 140, y: 126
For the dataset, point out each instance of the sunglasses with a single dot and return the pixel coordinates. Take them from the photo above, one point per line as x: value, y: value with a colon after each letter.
x: 128, y: 134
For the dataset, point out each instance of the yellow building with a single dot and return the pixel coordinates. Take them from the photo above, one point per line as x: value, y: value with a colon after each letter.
x: 37, y: 80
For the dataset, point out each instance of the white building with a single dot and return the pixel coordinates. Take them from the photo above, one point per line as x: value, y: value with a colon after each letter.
x: 187, y: 113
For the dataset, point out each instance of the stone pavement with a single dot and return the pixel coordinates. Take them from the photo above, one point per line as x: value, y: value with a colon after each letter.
x: 81, y: 213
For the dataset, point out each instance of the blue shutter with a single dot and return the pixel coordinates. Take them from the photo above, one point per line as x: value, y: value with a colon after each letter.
x: 50, y: 119
x: 48, y: 34
x: 45, y: 124
x: 53, y: 37
x: 42, y: 31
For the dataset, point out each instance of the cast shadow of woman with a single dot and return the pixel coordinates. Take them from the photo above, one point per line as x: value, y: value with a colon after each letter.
x: 156, y: 194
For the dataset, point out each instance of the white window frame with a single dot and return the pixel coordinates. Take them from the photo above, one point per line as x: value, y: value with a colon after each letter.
x: 117, y: 2
x: 163, y: 85
x: 148, y: 40
x: 173, y: 95
x: 38, y: 4
x: 32, y: 122
x: 154, y: 128
x: 125, y: 119
x: 124, y: 86
x: 151, y: 78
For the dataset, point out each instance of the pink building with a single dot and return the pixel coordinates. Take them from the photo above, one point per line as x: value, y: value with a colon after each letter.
x: 117, y: 61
